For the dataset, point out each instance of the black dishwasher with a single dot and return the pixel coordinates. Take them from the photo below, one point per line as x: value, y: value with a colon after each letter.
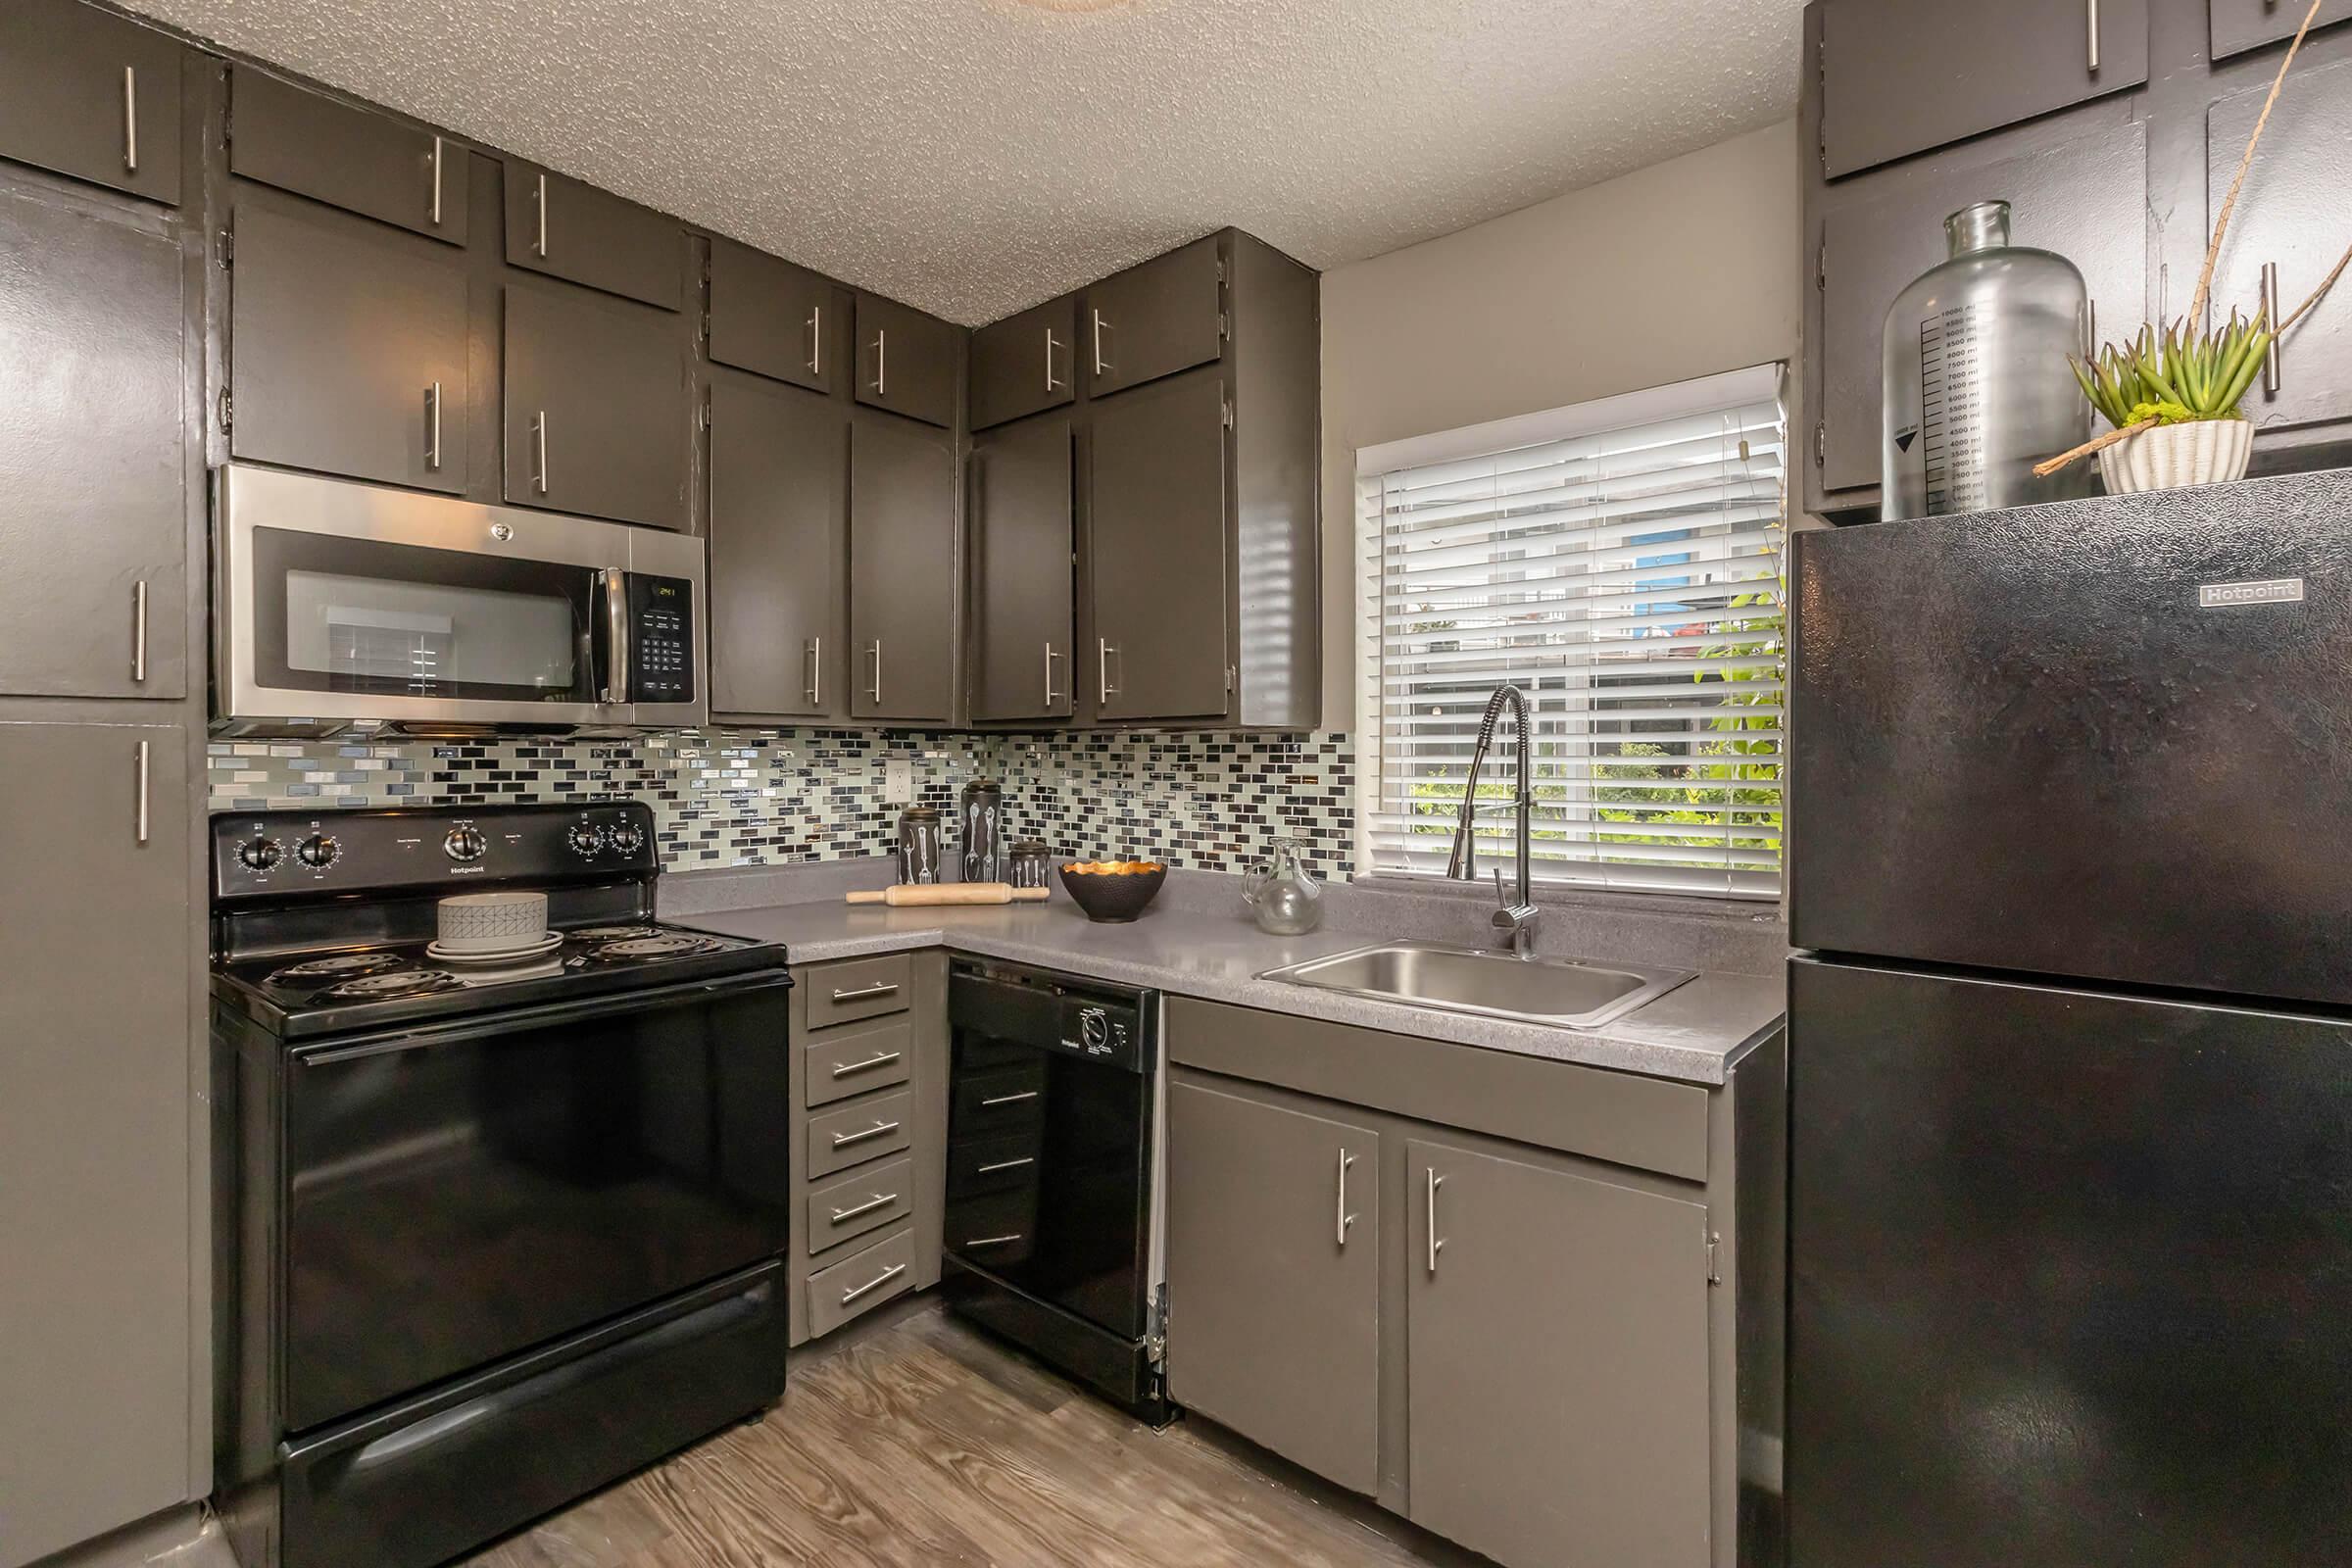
x: 1052, y: 1171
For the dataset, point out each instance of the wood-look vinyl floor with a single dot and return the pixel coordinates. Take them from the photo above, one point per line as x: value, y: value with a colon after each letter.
x: 921, y: 1442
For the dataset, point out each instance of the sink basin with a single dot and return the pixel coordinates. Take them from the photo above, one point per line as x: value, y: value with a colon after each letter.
x: 1569, y: 993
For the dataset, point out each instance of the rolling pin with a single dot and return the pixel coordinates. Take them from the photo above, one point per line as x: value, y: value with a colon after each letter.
x: 907, y: 894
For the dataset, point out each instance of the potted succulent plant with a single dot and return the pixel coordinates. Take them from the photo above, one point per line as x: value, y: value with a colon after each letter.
x: 2172, y: 399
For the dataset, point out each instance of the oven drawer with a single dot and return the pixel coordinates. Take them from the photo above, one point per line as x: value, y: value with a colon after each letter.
x: 992, y: 1165
x: 999, y: 1101
x: 865, y: 988
x: 860, y: 1282
x: 864, y: 1202
x: 859, y: 1132
x: 852, y: 1060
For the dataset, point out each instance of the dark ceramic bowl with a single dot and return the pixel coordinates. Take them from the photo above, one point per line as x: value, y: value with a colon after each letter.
x: 1113, y: 898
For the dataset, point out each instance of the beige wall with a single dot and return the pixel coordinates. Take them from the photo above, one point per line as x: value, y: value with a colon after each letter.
x: 1680, y: 269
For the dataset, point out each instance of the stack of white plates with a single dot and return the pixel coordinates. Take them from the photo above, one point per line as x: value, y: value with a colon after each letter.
x: 493, y: 928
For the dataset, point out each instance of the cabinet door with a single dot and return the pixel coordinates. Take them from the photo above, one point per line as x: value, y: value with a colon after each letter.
x: 94, y: 1386
x: 1556, y: 1330
x: 596, y: 407
x: 778, y: 467
x: 907, y: 360
x: 903, y: 569
x: 1274, y: 1278
x: 334, y: 152
x: 94, y: 529
x: 576, y: 232
x: 1899, y: 77
x: 347, y: 347
x: 1157, y: 543
x: 90, y: 94
x: 2085, y: 200
x: 770, y: 316
x: 1021, y: 532
x: 1156, y: 320
x: 2242, y: 25
x: 1023, y: 364
x: 2292, y: 215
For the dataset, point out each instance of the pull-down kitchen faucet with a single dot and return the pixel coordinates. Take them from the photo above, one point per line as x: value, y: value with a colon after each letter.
x: 1517, y: 917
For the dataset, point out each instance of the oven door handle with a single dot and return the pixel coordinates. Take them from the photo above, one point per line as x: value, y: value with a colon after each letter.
x: 616, y: 636
x: 458, y: 1030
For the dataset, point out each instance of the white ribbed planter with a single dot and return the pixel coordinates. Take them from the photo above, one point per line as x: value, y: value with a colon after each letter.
x: 2173, y: 456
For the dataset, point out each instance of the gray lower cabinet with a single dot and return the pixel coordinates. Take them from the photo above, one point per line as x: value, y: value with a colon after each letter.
x: 1024, y: 364
x: 2238, y: 26
x: 2292, y: 226
x: 1156, y: 319
x: 904, y: 569
x: 95, y: 530
x: 779, y: 459
x: 347, y: 346
x: 92, y: 94
x: 1556, y: 1328
x: 336, y: 151
x: 1156, y: 541
x: 770, y: 316
x: 1274, y: 1259
x: 907, y: 363
x: 574, y: 231
x: 1021, y: 532
x: 97, y: 1289
x: 596, y: 415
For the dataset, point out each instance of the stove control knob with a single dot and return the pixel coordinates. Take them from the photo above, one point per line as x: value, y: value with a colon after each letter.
x: 318, y: 852
x: 261, y: 854
x: 464, y: 843
x: 588, y: 839
x: 628, y: 838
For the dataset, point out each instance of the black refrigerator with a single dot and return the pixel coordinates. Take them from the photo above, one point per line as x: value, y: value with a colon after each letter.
x: 2071, y: 1051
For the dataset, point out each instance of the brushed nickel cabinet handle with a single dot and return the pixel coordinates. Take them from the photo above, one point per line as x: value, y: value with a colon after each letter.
x: 1052, y: 385
x: 816, y: 340
x: 1101, y: 326
x: 2270, y: 367
x: 1105, y: 652
x: 1345, y: 1218
x: 2090, y: 17
x: 130, y: 119
x: 138, y: 630
x: 436, y: 213
x: 880, y: 1129
x: 866, y: 993
x: 881, y: 361
x: 851, y: 1069
x: 1435, y: 1181
x: 841, y: 1216
x: 874, y: 1284
x: 142, y: 769
x: 876, y: 651
x: 1052, y: 696
x: 539, y: 452
x: 1005, y: 1164
x: 433, y: 428
x: 816, y: 673
x: 539, y: 246
x: 1009, y: 1100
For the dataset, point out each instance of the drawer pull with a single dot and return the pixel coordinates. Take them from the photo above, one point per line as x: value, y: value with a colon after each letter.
x: 848, y: 1068
x: 994, y: 1240
x: 880, y: 1129
x: 1008, y: 1164
x: 874, y: 1284
x: 864, y: 993
x: 1009, y: 1100
x: 841, y: 1216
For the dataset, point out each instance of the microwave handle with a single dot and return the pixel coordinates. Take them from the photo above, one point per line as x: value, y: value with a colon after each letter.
x: 616, y: 635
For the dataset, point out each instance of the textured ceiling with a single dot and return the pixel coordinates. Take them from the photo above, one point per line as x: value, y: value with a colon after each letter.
x: 975, y: 156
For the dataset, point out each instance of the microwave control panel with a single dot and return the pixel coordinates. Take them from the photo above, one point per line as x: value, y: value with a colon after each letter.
x: 662, y: 639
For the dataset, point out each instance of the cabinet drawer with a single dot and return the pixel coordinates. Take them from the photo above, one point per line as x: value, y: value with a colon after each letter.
x: 570, y: 230
x: 869, y: 988
x: 841, y: 1063
x: 907, y: 360
x: 999, y: 1101
x: 91, y: 94
x: 860, y: 1282
x: 840, y: 1139
x: 859, y: 1203
x: 994, y: 1164
x: 333, y: 152
x: 1155, y: 319
x: 1025, y: 363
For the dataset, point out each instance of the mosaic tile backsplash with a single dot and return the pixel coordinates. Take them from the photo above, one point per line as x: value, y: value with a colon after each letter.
x: 1210, y: 800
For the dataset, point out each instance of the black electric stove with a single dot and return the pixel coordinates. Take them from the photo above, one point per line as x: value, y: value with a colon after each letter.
x: 493, y: 1235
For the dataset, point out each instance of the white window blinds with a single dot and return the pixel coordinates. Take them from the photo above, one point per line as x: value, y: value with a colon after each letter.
x: 1620, y: 563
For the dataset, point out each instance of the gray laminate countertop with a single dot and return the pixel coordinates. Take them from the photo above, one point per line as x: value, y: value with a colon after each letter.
x: 1692, y: 1034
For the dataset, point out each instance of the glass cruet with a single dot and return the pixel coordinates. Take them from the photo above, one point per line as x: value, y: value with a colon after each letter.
x: 1282, y: 894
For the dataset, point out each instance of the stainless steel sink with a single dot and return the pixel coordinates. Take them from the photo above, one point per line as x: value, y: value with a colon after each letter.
x: 1569, y: 993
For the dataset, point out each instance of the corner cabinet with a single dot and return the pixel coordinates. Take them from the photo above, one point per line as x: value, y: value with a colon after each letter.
x: 904, y: 570
x: 1021, y: 532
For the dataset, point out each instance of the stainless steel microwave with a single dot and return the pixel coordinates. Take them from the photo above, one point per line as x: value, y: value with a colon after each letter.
x: 345, y: 608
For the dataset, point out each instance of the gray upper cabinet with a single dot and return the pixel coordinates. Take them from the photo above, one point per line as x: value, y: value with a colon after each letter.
x: 2085, y: 200
x: 907, y: 363
x: 778, y: 474
x: 1274, y: 1244
x: 1901, y: 76
x: 597, y: 415
x: 347, y: 347
x: 2292, y: 224
x: 332, y: 151
x: 574, y: 231
x: 1157, y: 552
x: 2242, y: 25
x: 1022, y: 565
x: 94, y: 532
x: 904, y: 570
x: 1557, y: 1333
x: 88, y: 93
x: 96, y: 1383
x: 1153, y: 320
x: 1024, y: 364
x: 771, y: 316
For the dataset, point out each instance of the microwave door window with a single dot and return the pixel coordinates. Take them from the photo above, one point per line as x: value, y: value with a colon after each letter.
x: 370, y: 635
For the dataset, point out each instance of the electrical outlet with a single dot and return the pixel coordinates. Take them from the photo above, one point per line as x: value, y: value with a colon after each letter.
x: 898, y: 782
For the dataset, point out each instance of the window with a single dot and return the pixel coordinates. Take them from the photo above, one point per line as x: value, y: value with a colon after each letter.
x: 1620, y: 563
